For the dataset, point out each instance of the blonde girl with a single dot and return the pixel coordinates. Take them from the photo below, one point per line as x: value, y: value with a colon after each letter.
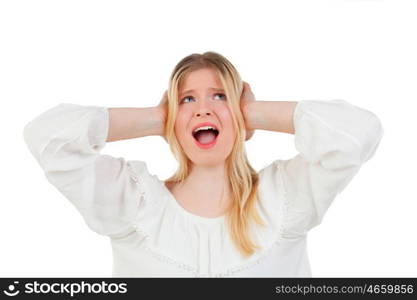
x: 216, y: 216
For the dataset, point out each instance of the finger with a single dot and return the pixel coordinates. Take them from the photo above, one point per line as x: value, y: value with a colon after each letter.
x: 245, y: 86
x: 245, y: 89
x: 164, y: 98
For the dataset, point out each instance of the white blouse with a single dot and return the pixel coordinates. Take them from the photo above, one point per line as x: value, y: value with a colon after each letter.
x: 153, y: 236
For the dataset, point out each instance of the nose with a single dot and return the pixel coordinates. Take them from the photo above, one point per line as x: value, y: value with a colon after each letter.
x: 199, y: 113
x: 203, y: 110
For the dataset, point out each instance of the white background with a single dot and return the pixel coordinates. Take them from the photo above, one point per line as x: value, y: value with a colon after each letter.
x: 121, y: 53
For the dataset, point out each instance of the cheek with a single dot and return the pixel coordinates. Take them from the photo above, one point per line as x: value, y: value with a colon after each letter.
x: 181, y: 124
x: 227, y: 120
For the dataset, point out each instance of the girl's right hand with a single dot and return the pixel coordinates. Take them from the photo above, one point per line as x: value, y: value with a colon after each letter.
x: 162, y: 108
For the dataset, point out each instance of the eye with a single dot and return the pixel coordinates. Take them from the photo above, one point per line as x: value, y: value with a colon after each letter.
x: 188, y: 97
x: 224, y: 96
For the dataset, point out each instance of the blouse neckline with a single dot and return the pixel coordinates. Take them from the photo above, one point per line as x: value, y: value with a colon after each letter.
x: 182, y: 210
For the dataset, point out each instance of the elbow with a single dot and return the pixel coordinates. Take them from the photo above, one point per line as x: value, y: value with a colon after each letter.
x: 378, y: 129
x: 38, y: 131
x: 36, y: 138
x: 31, y: 136
x: 373, y: 134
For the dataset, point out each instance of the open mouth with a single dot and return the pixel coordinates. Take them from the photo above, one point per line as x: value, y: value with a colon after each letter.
x: 206, y: 136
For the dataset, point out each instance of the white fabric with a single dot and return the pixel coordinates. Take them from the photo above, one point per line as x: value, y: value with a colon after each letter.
x: 153, y: 236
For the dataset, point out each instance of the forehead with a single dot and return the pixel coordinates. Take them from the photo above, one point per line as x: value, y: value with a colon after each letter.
x: 202, y: 79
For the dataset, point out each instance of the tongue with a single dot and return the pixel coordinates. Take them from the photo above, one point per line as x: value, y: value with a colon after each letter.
x: 206, y: 136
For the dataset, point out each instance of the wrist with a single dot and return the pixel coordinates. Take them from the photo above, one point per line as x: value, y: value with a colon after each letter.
x: 158, y: 120
x: 250, y: 114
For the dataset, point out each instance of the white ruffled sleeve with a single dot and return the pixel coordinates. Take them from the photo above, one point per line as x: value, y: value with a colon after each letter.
x: 66, y: 141
x: 334, y: 139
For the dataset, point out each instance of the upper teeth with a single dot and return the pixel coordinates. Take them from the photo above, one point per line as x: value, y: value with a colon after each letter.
x: 204, y: 128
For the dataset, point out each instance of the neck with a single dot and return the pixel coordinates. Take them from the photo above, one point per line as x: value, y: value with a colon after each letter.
x: 211, y: 184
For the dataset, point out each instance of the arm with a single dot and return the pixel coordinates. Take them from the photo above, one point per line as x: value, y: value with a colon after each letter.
x: 266, y: 115
x: 128, y: 123
x: 66, y: 140
x: 333, y: 139
x: 271, y: 115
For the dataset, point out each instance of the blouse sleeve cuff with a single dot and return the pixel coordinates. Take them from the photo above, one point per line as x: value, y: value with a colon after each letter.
x: 99, y: 128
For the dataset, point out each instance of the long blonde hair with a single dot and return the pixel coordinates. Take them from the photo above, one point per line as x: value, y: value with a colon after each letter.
x: 243, y: 178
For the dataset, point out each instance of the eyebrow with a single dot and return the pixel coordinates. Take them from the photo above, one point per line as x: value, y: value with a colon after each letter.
x: 211, y: 89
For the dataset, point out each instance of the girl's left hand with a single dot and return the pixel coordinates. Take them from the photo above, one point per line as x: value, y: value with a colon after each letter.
x: 246, y: 97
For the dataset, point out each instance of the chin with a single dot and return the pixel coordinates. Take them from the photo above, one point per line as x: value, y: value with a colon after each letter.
x: 207, y: 159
